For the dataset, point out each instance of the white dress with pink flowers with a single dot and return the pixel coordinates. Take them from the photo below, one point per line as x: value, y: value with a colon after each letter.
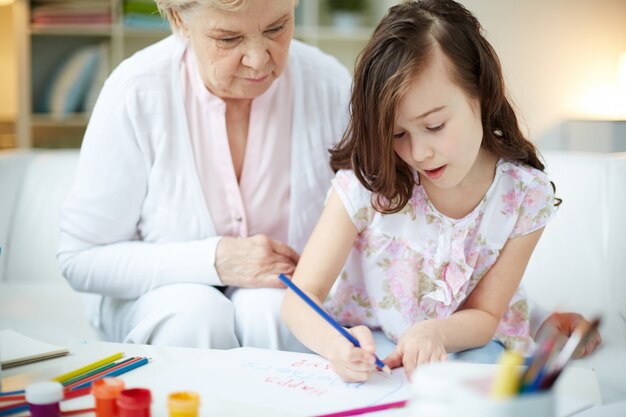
x: 419, y: 264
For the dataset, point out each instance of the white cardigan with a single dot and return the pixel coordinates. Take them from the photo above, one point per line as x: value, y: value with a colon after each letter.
x: 136, y: 218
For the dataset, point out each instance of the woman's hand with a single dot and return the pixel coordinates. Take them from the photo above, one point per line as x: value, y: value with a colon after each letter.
x: 419, y: 345
x: 351, y: 363
x: 254, y: 262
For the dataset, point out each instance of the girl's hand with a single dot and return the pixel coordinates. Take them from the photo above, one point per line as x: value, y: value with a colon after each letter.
x: 566, y: 323
x: 419, y: 345
x: 351, y: 363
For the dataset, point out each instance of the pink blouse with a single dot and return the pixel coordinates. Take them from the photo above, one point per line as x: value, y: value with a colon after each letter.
x: 419, y: 264
x: 259, y: 202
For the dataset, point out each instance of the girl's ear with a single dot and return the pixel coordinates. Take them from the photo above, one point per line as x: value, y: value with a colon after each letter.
x: 180, y: 23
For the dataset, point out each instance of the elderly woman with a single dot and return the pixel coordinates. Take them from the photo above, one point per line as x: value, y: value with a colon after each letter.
x: 204, y: 154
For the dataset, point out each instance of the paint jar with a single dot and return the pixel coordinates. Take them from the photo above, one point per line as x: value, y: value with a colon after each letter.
x: 43, y: 399
x: 106, y: 391
x: 183, y: 404
x: 134, y: 402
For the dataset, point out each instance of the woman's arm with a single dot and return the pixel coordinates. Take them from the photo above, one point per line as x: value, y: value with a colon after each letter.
x: 319, y: 266
x: 101, y: 247
x: 475, y: 323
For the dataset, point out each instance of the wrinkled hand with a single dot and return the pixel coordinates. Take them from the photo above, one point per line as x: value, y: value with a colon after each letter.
x: 254, y: 262
x: 565, y: 323
x: 417, y: 346
x: 351, y: 363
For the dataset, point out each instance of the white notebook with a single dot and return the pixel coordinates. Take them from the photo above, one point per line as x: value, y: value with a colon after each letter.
x: 17, y: 349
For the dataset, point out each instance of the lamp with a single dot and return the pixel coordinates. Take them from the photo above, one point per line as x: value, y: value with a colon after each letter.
x: 606, y: 101
x: 6, y: 2
x: 602, y: 125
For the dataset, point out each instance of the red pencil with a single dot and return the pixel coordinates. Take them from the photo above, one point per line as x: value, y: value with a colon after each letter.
x: 99, y: 375
x: 365, y: 410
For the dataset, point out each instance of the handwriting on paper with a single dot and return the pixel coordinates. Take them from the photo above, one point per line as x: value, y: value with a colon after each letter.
x: 314, y: 377
x: 286, y: 381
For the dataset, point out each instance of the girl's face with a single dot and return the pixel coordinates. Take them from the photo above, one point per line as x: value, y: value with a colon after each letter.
x: 240, y: 53
x: 438, y: 129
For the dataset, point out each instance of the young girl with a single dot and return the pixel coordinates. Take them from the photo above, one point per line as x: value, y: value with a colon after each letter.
x: 437, y: 205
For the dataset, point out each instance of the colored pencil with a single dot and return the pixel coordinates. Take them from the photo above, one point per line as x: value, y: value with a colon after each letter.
x: 329, y: 319
x: 19, y: 394
x: 365, y: 410
x: 15, y: 397
x: 90, y: 373
x: 87, y: 368
x: 578, y: 339
x: 78, y: 411
x: 102, y: 374
x: 102, y: 371
x: 19, y: 391
x: 116, y: 372
x: 68, y: 395
x: 17, y: 408
x: 23, y: 405
x: 12, y: 406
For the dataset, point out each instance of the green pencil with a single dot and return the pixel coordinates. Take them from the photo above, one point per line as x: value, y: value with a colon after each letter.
x: 67, y: 376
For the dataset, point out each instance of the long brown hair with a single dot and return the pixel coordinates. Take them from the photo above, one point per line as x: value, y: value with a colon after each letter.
x: 399, y: 48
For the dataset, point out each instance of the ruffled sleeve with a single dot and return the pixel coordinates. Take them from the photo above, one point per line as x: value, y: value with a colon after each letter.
x: 537, y: 207
x: 355, y: 198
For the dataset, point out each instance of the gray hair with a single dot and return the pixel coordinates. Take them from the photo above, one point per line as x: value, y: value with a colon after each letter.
x: 167, y: 8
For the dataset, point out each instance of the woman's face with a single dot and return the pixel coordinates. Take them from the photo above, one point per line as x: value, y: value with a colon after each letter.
x: 240, y: 53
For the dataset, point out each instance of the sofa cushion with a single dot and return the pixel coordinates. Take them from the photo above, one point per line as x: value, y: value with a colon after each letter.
x: 12, y: 170
x: 579, y: 262
x: 35, y: 299
x: 34, y: 236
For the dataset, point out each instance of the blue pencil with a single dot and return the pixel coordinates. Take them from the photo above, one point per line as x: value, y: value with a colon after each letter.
x: 329, y: 319
x: 13, y: 410
x: 116, y: 372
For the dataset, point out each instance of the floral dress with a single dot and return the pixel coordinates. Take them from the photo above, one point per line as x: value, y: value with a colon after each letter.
x: 419, y: 264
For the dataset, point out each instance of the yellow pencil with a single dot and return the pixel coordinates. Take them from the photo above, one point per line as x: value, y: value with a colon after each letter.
x: 507, y: 380
x: 87, y: 368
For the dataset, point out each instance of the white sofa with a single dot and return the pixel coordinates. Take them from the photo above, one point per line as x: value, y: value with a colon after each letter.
x: 35, y: 299
x: 579, y: 264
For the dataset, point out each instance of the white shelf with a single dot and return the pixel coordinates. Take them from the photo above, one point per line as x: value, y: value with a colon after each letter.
x: 142, y: 33
x: 41, y: 47
x: 71, y: 30
x: 47, y: 120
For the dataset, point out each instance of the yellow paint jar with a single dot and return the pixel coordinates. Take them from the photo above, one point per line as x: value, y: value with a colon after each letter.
x: 183, y: 404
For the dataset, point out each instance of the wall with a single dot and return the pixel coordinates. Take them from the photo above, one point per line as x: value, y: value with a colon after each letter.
x: 560, y: 57
x: 8, y: 75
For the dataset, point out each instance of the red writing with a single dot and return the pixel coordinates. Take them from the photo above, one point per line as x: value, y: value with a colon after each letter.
x: 296, y: 385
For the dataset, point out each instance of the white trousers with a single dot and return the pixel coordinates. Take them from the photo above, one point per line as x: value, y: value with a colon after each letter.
x: 193, y: 315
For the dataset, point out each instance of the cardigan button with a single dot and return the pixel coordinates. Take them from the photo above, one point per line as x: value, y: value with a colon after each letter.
x: 239, y: 218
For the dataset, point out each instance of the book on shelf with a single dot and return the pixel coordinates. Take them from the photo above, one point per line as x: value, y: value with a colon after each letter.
x: 67, y: 12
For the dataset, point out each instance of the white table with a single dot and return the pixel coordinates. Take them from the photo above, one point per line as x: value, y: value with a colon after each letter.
x: 579, y: 384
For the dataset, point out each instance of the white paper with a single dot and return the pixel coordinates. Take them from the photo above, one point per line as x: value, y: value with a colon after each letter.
x: 297, y: 383
x: 17, y: 349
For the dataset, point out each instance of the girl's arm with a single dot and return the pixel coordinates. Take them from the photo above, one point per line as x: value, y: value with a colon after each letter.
x: 322, y: 259
x: 490, y: 299
x: 475, y: 323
